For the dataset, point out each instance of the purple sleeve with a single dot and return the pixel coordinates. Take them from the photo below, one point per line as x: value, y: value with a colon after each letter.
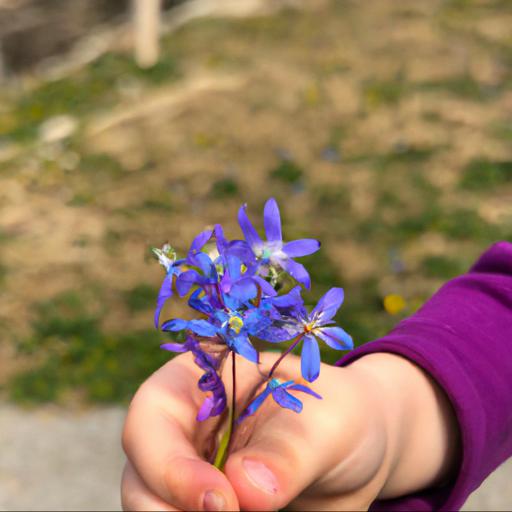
x: 463, y: 337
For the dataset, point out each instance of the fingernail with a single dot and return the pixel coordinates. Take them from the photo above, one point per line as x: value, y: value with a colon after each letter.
x: 260, y: 475
x: 213, y: 501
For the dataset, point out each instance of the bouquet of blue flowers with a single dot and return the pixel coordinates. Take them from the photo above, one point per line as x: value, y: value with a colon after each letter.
x: 241, y: 291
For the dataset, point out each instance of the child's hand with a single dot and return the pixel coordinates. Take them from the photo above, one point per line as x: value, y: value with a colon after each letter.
x: 383, y: 429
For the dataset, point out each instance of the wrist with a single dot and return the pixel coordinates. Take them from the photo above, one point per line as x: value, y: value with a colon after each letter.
x: 420, y: 427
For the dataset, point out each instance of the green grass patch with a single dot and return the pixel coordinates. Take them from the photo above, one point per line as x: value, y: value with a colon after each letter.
x: 287, y: 171
x: 141, y: 297
x: 377, y: 93
x: 463, y: 86
x: 482, y: 174
x: 442, y: 267
x: 226, y: 187
x: 158, y: 203
x: 88, y: 90
x: 331, y: 198
x: 72, y: 354
x: 409, y: 155
x: 464, y: 224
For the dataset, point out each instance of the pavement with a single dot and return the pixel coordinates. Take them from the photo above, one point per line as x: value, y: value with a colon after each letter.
x: 55, y: 459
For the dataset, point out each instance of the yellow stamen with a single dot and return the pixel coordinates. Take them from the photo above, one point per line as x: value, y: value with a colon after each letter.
x: 236, y: 323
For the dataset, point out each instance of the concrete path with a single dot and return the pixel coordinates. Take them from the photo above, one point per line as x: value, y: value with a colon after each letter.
x: 52, y: 459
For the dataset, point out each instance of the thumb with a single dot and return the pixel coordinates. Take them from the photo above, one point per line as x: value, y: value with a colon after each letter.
x: 284, y: 455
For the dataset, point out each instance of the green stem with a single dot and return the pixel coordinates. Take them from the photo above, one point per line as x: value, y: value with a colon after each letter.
x: 222, y: 451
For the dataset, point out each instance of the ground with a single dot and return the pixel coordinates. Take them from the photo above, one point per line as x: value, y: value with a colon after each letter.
x: 37, y: 474
x: 382, y: 128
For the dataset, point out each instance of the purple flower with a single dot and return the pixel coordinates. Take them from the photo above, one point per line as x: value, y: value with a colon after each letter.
x: 204, y: 271
x: 232, y: 324
x: 210, y: 382
x: 214, y: 404
x: 319, y: 325
x: 274, y: 251
x: 281, y: 396
x: 239, y: 266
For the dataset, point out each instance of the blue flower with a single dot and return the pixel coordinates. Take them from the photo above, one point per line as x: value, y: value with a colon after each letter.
x: 274, y: 251
x: 232, y: 324
x: 281, y: 396
x: 318, y: 325
x: 204, y: 272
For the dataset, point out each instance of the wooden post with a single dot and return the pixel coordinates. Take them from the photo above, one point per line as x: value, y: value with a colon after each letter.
x: 146, y: 20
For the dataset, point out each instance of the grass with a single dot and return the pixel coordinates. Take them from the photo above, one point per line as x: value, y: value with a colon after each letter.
x: 87, y: 90
x: 367, y: 153
x: 287, y: 171
x: 378, y: 93
x: 461, y: 86
x: 77, y: 356
x: 483, y: 174
x: 226, y: 187
x: 442, y: 267
x: 141, y: 297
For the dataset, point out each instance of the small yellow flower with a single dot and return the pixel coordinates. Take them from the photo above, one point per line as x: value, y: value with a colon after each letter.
x: 393, y: 304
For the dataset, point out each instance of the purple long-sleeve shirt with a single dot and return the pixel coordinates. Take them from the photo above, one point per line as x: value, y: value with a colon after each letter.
x: 463, y: 338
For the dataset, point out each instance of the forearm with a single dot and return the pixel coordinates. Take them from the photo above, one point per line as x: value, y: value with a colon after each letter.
x: 421, y: 428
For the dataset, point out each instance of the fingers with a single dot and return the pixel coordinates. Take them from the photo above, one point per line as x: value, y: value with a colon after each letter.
x: 282, y: 458
x: 157, y: 439
x: 136, y: 496
x: 324, y: 458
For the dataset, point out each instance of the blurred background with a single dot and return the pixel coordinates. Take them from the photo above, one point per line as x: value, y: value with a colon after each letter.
x: 383, y: 128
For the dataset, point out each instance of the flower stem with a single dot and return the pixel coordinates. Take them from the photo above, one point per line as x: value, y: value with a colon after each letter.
x: 225, y: 442
x: 295, y: 342
x: 258, y: 297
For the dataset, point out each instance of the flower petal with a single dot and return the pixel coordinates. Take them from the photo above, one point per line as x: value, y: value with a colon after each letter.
x: 247, y: 228
x: 206, y: 409
x: 185, y: 281
x: 328, y: 305
x: 241, y: 345
x: 175, y: 347
x: 164, y: 294
x: 289, y: 300
x: 266, y: 288
x: 176, y: 324
x: 302, y: 247
x: 198, y: 304
x: 210, y: 381
x: 233, y: 266
x: 335, y: 337
x: 244, y: 290
x: 199, y: 242
x: 204, y: 262
x: 284, y: 399
x: 297, y: 271
x: 242, y: 250
x: 305, y: 389
x: 255, y: 404
x: 275, y: 334
x: 202, y: 327
x: 272, y: 221
x: 222, y: 242
x: 310, y: 359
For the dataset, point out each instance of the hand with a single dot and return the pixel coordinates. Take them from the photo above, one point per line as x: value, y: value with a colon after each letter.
x: 378, y: 418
